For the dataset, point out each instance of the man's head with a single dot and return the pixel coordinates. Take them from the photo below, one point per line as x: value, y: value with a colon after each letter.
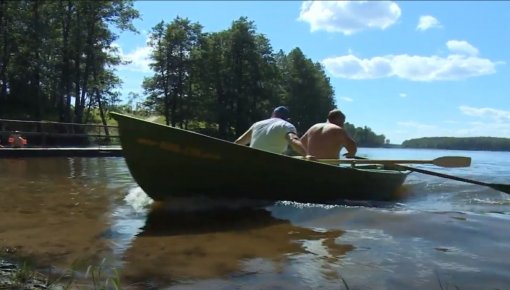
x: 336, y: 117
x: 281, y: 112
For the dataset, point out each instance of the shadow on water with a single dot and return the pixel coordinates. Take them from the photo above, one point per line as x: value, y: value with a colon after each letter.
x: 179, y: 246
x: 162, y: 221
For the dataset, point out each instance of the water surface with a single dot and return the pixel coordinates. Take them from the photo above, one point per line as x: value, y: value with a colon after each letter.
x: 68, y: 212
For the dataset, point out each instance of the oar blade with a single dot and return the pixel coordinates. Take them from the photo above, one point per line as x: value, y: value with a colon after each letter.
x: 501, y: 187
x: 452, y: 161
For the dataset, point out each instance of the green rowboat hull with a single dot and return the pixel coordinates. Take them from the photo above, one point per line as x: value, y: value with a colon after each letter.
x: 168, y: 162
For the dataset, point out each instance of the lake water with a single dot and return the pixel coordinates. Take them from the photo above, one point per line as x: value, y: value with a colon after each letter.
x: 74, y: 212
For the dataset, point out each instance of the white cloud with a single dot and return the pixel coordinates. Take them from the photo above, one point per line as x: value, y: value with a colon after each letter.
x: 427, y: 22
x: 481, y: 129
x: 413, y: 67
x: 403, y: 95
x: 352, y: 67
x: 462, y: 47
x: 498, y: 116
x: 415, y: 125
x: 349, y: 17
x: 346, y: 99
x: 138, y: 58
x: 488, y: 122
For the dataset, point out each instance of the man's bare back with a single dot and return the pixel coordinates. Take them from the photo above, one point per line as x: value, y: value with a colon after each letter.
x: 325, y: 140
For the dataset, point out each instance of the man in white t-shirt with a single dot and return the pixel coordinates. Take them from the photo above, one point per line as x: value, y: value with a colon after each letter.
x: 273, y: 134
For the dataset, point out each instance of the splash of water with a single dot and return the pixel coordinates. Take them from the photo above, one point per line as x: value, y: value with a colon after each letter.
x: 138, y: 199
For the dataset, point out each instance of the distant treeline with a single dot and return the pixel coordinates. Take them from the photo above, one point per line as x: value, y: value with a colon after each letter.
x: 365, y: 137
x: 58, y: 62
x: 464, y: 143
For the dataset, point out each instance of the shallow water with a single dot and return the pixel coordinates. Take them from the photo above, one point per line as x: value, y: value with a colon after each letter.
x: 69, y: 212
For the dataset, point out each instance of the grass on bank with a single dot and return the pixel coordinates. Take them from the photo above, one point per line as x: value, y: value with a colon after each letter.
x: 26, y: 277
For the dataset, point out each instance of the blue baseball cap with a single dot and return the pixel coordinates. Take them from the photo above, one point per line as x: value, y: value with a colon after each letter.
x: 281, y: 112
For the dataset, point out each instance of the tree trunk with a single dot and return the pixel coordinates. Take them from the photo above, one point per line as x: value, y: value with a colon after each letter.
x: 77, y: 71
x: 102, y: 113
x: 37, y: 56
x: 89, y: 64
x: 166, y: 76
x: 4, y: 53
x: 65, y: 82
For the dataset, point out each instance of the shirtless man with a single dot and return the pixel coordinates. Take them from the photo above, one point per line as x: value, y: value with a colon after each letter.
x: 325, y: 140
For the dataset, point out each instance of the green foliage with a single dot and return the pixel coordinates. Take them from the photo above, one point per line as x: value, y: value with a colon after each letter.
x: 233, y: 78
x: 365, y: 137
x: 170, y: 89
x: 56, y: 57
x: 57, y: 63
x: 466, y: 143
x: 306, y: 89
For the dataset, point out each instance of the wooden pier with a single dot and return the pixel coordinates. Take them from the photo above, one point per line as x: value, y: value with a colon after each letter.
x: 56, y: 139
x: 61, y: 152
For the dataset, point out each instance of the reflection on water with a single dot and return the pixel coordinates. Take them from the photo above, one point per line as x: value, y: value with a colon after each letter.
x: 221, y: 243
x: 51, y: 215
x: 60, y: 210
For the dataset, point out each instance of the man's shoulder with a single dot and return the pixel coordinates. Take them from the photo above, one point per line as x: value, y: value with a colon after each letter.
x: 273, y: 122
x: 277, y: 121
x: 327, y: 127
x: 265, y: 121
x: 284, y: 125
x: 324, y: 125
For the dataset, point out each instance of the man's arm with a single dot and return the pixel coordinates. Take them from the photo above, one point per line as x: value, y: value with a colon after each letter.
x: 245, y: 138
x: 304, y: 140
x: 296, y: 144
x: 350, y: 145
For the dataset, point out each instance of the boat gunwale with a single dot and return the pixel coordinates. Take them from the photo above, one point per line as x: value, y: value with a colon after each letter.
x: 290, y: 157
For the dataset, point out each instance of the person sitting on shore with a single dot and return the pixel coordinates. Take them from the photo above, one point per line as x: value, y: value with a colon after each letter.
x: 16, y: 140
x: 325, y: 140
x: 273, y: 134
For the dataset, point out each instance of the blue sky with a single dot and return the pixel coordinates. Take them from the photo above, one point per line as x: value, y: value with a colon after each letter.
x: 405, y: 69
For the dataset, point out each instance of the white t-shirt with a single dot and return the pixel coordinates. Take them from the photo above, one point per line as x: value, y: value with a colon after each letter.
x: 271, y: 135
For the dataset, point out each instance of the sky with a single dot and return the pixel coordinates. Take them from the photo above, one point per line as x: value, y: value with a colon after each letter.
x: 405, y: 69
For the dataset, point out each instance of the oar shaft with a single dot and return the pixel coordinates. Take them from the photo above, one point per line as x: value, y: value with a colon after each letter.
x: 500, y: 187
x: 460, y: 160
x: 443, y: 175
x: 373, y: 161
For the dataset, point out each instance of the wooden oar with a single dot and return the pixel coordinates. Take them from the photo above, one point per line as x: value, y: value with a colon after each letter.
x: 446, y: 161
x: 497, y: 186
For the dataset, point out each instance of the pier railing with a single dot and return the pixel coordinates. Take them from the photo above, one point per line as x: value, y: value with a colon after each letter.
x: 58, y: 134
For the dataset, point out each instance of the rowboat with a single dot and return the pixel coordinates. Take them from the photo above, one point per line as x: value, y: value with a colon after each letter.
x: 171, y: 162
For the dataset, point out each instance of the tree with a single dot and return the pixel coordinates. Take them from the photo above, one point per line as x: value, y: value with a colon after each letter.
x: 365, y: 137
x: 52, y: 52
x: 173, y: 45
x: 307, y: 89
x: 244, y: 80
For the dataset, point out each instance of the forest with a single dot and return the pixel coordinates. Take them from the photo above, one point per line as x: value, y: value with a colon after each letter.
x: 58, y: 62
x: 464, y: 143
